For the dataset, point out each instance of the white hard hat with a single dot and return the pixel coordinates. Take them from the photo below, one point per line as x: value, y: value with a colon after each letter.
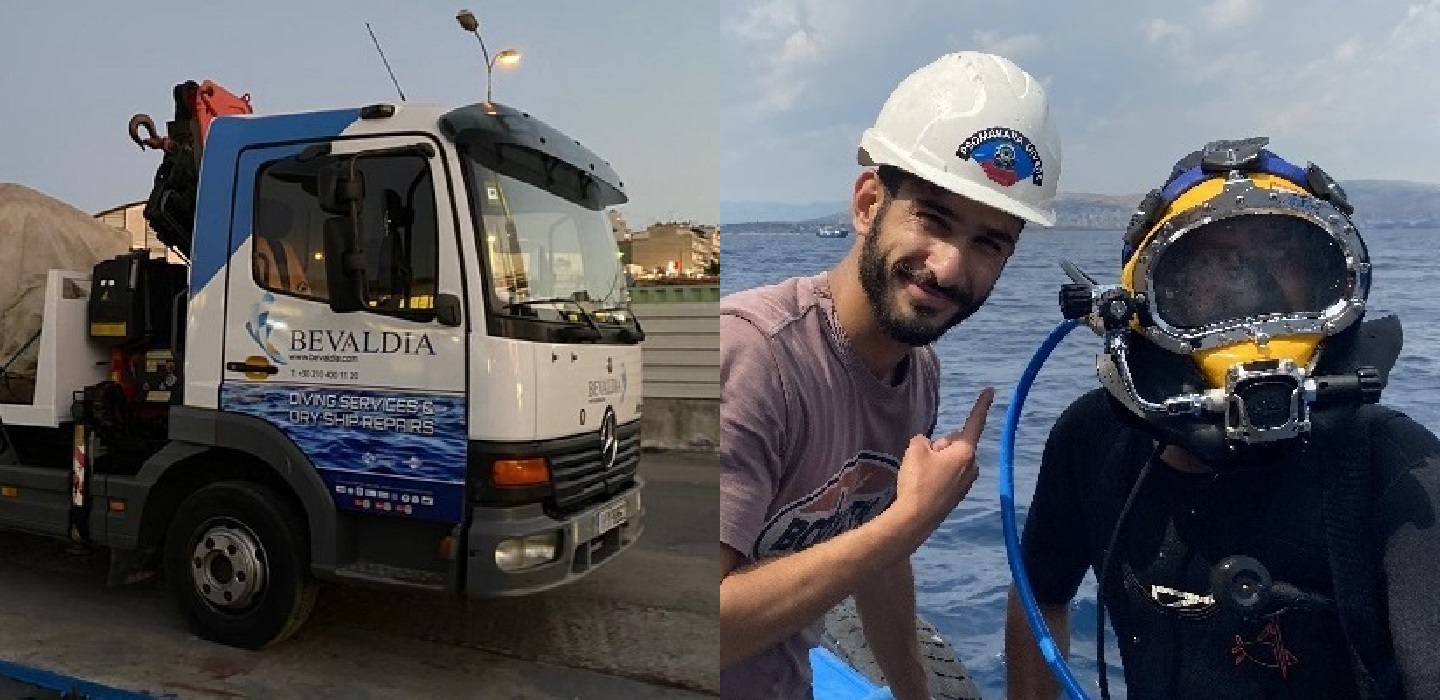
x: 977, y: 125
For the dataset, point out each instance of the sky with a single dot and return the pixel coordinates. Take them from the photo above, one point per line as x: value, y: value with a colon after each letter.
x: 1133, y: 85
x: 635, y: 80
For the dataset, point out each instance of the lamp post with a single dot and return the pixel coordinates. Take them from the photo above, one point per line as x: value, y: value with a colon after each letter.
x: 507, y: 57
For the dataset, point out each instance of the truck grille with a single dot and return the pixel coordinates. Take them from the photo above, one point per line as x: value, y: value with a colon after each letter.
x: 580, y: 480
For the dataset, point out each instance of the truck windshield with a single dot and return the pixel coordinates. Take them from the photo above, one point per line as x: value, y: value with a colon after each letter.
x: 548, y: 258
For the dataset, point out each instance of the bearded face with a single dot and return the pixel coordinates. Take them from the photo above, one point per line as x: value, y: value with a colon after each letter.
x: 907, y: 300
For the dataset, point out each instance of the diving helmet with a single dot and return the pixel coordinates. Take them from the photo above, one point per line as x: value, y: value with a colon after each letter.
x: 1243, y: 286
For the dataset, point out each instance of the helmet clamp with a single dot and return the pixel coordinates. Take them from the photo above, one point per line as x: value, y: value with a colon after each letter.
x: 1232, y: 155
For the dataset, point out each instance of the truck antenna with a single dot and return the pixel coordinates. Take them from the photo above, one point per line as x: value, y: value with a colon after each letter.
x: 387, y: 62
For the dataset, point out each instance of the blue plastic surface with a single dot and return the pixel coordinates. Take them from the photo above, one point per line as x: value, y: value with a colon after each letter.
x: 61, y: 683
x: 833, y: 679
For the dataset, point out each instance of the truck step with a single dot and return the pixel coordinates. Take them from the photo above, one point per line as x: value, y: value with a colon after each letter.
x: 372, y: 572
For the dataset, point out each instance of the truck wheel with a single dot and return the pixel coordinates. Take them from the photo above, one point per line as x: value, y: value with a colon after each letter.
x: 844, y: 637
x: 237, y: 557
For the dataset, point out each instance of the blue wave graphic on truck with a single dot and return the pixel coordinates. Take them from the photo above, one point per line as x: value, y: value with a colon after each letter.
x: 389, y: 452
x: 261, y: 328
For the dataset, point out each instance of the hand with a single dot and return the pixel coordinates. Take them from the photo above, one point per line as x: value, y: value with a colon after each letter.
x: 934, y: 478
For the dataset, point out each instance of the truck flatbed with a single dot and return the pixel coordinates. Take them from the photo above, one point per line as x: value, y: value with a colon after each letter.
x: 67, y: 363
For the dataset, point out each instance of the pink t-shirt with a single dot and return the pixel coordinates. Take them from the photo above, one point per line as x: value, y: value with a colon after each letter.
x: 810, y: 443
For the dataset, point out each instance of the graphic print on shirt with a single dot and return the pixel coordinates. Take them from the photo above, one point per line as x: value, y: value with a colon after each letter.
x: 1167, y: 599
x: 863, y: 487
x: 1268, y: 649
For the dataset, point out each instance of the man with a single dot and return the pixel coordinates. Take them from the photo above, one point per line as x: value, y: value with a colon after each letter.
x: 829, y: 384
x: 1260, y: 526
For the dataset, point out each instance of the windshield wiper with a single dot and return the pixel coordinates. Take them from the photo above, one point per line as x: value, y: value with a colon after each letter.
x: 563, y: 300
x: 636, y: 335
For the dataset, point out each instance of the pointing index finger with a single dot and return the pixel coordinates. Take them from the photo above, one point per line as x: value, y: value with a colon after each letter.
x: 975, y: 423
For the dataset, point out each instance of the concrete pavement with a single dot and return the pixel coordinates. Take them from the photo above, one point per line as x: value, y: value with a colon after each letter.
x: 645, y: 626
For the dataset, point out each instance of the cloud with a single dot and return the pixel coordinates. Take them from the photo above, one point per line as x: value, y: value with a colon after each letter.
x: 1160, y: 32
x: 783, y: 54
x: 786, y: 41
x: 767, y: 20
x: 1226, y: 14
x: 1420, y: 25
x: 1216, y: 58
x: 1359, y: 76
x: 783, y: 83
x: 1331, y: 106
x: 1348, y: 50
x: 1218, y: 15
x: 1011, y: 47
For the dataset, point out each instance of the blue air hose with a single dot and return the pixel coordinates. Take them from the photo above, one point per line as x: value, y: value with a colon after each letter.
x: 1048, y: 648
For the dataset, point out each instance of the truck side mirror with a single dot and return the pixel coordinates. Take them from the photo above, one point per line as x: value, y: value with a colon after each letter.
x: 344, y: 266
x: 340, y: 187
x: 447, y: 310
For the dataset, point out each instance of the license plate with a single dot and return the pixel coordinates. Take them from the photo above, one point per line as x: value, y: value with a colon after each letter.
x: 610, y: 517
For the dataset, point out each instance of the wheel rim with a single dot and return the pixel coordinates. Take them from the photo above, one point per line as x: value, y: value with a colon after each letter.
x: 228, y: 566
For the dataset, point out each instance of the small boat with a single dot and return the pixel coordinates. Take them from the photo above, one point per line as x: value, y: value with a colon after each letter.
x: 832, y: 232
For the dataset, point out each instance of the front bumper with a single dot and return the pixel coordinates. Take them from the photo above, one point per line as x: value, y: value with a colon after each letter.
x: 581, y: 550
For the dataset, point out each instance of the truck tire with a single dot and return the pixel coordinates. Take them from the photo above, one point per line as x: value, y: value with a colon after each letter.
x: 237, y: 557
x: 843, y: 636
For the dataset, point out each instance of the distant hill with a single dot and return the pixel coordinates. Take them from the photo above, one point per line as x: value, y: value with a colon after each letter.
x: 745, y: 212
x: 1379, y: 204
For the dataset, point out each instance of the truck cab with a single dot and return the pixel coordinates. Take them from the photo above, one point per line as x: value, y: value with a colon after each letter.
x: 401, y: 353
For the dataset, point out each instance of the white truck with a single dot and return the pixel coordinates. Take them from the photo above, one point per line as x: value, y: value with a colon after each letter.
x: 399, y: 351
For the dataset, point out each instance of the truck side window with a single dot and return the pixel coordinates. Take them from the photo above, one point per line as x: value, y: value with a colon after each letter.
x: 399, y: 233
x: 398, y: 229
x: 287, y: 239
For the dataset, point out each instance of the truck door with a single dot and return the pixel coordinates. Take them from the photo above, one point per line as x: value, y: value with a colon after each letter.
x: 374, y: 397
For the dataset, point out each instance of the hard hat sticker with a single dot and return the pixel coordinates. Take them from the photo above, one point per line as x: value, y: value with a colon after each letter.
x: 1005, y: 155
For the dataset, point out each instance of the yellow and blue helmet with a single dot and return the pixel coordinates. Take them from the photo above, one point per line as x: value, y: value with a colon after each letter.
x: 1236, y: 274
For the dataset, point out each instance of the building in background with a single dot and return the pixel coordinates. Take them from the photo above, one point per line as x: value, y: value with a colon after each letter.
x: 618, y: 225
x: 131, y: 218
x: 673, y: 249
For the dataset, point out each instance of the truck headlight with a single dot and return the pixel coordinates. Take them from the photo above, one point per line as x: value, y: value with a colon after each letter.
x: 520, y: 553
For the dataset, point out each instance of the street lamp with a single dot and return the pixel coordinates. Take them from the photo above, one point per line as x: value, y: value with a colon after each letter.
x: 507, y: 57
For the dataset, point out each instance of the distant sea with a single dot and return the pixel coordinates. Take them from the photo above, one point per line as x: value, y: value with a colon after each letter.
x: 962, y: 572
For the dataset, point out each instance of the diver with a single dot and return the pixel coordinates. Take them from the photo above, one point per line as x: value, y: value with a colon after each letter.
x: 1259, y: 524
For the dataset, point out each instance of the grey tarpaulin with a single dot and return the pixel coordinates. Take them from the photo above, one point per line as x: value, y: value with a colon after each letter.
x: 39, y: 233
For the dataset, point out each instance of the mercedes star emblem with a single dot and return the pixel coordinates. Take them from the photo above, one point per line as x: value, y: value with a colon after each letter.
x: 609, y: 439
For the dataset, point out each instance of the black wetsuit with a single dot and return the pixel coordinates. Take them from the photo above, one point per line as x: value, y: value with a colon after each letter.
x: 1176, y: 641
